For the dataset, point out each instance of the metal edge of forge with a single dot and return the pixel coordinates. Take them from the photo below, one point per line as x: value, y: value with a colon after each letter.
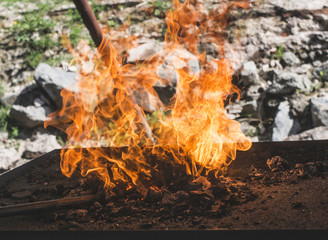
x: 244, y: 159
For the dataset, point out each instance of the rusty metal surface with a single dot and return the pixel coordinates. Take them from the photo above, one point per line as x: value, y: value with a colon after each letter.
x: 13, y: 173
x: 292, y: 151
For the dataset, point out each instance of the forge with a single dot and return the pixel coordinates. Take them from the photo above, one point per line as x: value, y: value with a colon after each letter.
x: 193, y: 169
x: 274, y: 185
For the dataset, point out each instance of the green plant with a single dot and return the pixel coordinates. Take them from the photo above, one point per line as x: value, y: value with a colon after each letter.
x: 323, y: 76
x: 17, y: 145
x: 278, y: 54
x: 251, y: 132
x: 98, y: 8
x: 4, y: 119
x: 2, y: 89
x: 111, y: 23
x: 75, y: 34
x: 61, y: 141
x: 76, y: 26
x: 317, y: 86
x: 4, y: 114
x: 14, y: 132
x: 155, y: 121
x: 34, y: 32
x: 74, y: 16
x: 160, y: 7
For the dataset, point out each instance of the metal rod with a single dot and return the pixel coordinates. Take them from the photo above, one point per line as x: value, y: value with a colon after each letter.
x: 42, y: 205
x: 90, y: 21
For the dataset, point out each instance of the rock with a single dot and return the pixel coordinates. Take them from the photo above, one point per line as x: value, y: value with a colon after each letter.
x: 275, y: 64
x: 165, y: 93
x: 296, y: 25
x: 249, y: 75
x: 234, y: 108
x: 147, y: 101
x: 29, y: 116
x: 144, y: 51
x: 287, y: 83
x: 8, y: 157
x: 254, y: 92
x: 289, y: 59
x: 168, y: 77
x: 321, y: 72
x: 40, y: 144
x: 319, y: 111
x: 318, y: 133
x: 322, y: 19
x: 177, y: 59
x: 3, y: 136
x: 209, y: 47
x: 249, y: 108
x: 30, y: 107
x: 300, y: 104
x: 150, y: 26
x: 11, y: 94
x: 53, y: 80
x: 283, y: 124
x: 304, y: 69
x: 33, y: 95
x: 299, y: 4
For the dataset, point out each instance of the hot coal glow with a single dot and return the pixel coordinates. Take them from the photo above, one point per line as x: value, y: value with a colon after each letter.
x: 102, y: 113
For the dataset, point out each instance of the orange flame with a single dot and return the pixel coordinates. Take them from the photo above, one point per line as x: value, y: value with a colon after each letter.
x: 101, y: 113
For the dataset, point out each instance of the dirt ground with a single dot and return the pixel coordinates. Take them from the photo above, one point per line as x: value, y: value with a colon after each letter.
x: 285, y: 189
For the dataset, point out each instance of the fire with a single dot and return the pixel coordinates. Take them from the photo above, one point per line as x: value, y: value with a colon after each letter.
x: 102, y: 111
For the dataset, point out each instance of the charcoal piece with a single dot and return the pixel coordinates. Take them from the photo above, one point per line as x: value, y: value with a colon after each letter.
x: 119, y: 211
x: 153, y: 195
x: 202, y: 182
x: 168, y: 198
x: 310, y: 169
x: 96, y: 206
x: 205, y: 193
x: 181, y: 196
x: 219, y: 191
x: 79, y: 215
x: 277, y: 164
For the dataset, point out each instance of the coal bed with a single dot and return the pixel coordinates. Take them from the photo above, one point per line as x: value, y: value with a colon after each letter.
x: 274, y: 185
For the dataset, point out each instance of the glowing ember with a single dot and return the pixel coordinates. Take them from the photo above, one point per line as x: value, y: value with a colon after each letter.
x: 101, y: 112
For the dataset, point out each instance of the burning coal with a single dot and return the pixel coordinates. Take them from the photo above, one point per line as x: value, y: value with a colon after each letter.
x: 102, y: 112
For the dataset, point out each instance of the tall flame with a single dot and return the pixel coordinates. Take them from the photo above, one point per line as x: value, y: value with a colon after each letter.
x: 102, y: 112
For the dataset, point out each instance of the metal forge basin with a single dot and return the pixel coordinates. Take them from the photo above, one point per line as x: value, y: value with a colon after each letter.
x: 294, y: 196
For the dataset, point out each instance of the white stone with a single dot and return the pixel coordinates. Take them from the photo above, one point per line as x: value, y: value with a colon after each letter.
x: 8, y: 157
